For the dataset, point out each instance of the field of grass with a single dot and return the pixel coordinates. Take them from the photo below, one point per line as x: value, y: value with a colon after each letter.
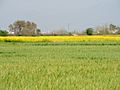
x: 60, y: 65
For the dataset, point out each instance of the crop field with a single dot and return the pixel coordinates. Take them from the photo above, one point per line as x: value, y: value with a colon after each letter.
x: 76, y: 65
x: 60, y: 38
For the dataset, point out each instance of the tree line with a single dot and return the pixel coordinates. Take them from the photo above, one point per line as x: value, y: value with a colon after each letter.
x: 27, y: 28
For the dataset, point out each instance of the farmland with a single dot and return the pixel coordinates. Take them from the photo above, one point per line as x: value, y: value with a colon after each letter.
x: 60, y: 38
x: 85, y: 65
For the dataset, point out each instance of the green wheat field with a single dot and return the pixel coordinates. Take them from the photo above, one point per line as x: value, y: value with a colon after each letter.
x: 59, y: 66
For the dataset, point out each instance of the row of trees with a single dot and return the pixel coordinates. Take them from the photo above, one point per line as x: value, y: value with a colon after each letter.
x: 108, y: 29
x: 27, y: 28
x: 104, y: 30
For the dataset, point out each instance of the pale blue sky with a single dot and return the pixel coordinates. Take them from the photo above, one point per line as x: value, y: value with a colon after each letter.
x: 54, y: 14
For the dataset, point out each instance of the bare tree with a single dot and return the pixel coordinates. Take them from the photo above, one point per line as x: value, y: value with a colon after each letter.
x: 108, y: 29
x: 103, y: 30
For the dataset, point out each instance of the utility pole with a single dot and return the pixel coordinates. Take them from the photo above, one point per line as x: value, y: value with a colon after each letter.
x: 68, y: 27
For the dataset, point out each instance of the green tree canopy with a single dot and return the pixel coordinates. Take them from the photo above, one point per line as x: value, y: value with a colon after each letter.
x: 89, y: 31
x: 3, y: 33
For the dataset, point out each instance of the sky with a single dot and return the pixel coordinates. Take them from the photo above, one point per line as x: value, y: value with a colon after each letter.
x: 51, y: 15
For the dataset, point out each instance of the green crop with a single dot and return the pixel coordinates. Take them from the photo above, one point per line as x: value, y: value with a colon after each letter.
x: 59, y: 66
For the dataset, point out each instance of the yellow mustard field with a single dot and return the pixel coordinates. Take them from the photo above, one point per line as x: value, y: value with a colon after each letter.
x: 60, y: 38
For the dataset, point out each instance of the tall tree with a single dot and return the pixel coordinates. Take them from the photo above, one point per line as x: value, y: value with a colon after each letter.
x: 21, y: 27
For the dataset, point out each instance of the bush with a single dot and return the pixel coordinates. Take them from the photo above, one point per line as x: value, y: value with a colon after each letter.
x: 89, y: 31
x: 3, y: 33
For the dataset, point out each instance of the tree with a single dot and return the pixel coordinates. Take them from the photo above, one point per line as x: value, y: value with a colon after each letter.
x: 103, y: 30
x: 21, y: 27
x: 38, y: 31
x: 118, y: 32
x: 3, y: 33
x: 89, y: 31
x: 108, y: 29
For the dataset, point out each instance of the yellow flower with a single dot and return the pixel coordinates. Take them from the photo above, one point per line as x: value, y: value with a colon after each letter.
x: 60, y: 38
